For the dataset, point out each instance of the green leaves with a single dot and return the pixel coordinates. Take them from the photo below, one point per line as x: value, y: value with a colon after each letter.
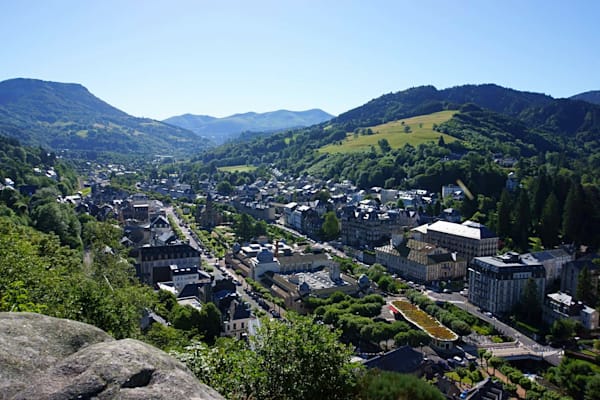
x: 297, y: 359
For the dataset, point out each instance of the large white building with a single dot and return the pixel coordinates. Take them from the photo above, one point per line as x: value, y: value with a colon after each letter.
x: 425, y: 262
x: 496, y: 283
x: 469, y: 239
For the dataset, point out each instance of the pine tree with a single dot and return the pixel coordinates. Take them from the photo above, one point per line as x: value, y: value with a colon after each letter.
x: 550, y: 222
x: 504, y: 208
x: 530, y: 306
x: 522, y: 221
x: 572, y: 219
x: 540, y: 195
x: 584, y: 291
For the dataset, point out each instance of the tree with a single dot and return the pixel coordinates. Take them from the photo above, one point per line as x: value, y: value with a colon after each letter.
x: 331, y: 226
x: 550, y: 222
x: 224, y: 188
x: 384, y: 145
x: 504, y: 211
x: 573, y: 214
x: 562, y: 330
x: 297, y: 359
x: 530, y: 307
x: 441, y: 141
x: 522, y: 221
x: 592, y: 388
x: 209, y: 324
x: 585, y: 290
x: 244, y: 227
x: 384, y: 385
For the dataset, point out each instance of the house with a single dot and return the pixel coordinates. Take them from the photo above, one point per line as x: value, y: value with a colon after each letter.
x: 153, y: 264
x: 368, y: 225
x: 453, y: 191
x: 571, y: 271
x: 553, y: 262
x: 451, y: 215
x: 562, y: 306
x: 237, y: 320
x: 404, y: 360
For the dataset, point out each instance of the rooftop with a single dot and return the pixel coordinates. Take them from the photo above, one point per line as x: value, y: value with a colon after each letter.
x: 467, y: 229
x: 316, y: 280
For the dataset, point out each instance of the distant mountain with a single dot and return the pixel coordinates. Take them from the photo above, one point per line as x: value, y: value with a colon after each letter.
x: 67, y: 116
x: 223, y: 129
x: 593, y: 96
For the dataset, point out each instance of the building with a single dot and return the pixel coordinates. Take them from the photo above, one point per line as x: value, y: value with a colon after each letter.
x: 404, y: 360
x: 257, y: 210
x: 569, y: 278
x: 425, y: 262
x: 496, y: 283
x: 453, y: 191
x: 153, y: 264
x: 293, y: 287
x: 552, y: 260
x: 237, y: 320
x: 562, y: 306
x: 208, y: 217
x: 469, y: 239
x: 368, y: 225
x: 263, y: 262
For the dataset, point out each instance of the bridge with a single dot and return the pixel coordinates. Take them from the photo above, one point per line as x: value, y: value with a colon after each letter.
x: 517, y: 351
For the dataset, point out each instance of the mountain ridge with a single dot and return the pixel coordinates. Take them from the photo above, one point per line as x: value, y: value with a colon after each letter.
x: 591, y: 96
x: 68, y: 116
x: 226, y: 128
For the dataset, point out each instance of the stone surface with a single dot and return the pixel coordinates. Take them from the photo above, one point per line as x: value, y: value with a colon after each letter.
x: 49, y: 358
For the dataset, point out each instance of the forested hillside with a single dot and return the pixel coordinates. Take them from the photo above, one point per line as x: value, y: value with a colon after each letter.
x: 65, y: 116
x: 552, y: 146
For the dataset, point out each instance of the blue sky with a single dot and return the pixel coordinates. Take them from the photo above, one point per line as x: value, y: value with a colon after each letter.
x: 163, y: 58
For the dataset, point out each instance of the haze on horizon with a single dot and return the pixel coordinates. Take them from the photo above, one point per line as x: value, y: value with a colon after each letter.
x: 159, y: 59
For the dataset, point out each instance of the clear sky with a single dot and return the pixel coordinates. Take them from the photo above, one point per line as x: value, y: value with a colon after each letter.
x: 217, y: 57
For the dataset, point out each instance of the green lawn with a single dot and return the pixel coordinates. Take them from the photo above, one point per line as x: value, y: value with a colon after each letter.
x: 421, y: 131
x: 237, y: 168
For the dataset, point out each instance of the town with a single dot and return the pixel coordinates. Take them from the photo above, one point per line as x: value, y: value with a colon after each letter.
x: 395, y: 255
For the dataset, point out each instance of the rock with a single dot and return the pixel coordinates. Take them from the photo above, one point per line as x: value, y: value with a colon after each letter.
x: 49, y: 358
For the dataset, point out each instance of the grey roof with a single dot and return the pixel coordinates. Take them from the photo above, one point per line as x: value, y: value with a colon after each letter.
x: 241, y: 311
x: 404, y: 359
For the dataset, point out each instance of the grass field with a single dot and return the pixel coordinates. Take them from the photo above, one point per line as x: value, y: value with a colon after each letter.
x: 421, y: 131
x: 237, y: 168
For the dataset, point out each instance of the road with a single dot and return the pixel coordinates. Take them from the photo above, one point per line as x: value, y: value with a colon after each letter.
x: 220, y: 271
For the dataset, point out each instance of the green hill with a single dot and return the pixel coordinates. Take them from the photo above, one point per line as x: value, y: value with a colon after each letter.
x: 66, y: 116
x: 412, y: 131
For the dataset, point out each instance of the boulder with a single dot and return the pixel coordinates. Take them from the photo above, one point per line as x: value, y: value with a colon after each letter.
x: 50, y: 358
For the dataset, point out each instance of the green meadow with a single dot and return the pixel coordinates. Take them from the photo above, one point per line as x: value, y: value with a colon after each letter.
x: 237, y: 168
x: 420, y: 130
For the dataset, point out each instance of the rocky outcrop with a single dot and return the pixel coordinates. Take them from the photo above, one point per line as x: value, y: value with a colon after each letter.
x: 50, y: 358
